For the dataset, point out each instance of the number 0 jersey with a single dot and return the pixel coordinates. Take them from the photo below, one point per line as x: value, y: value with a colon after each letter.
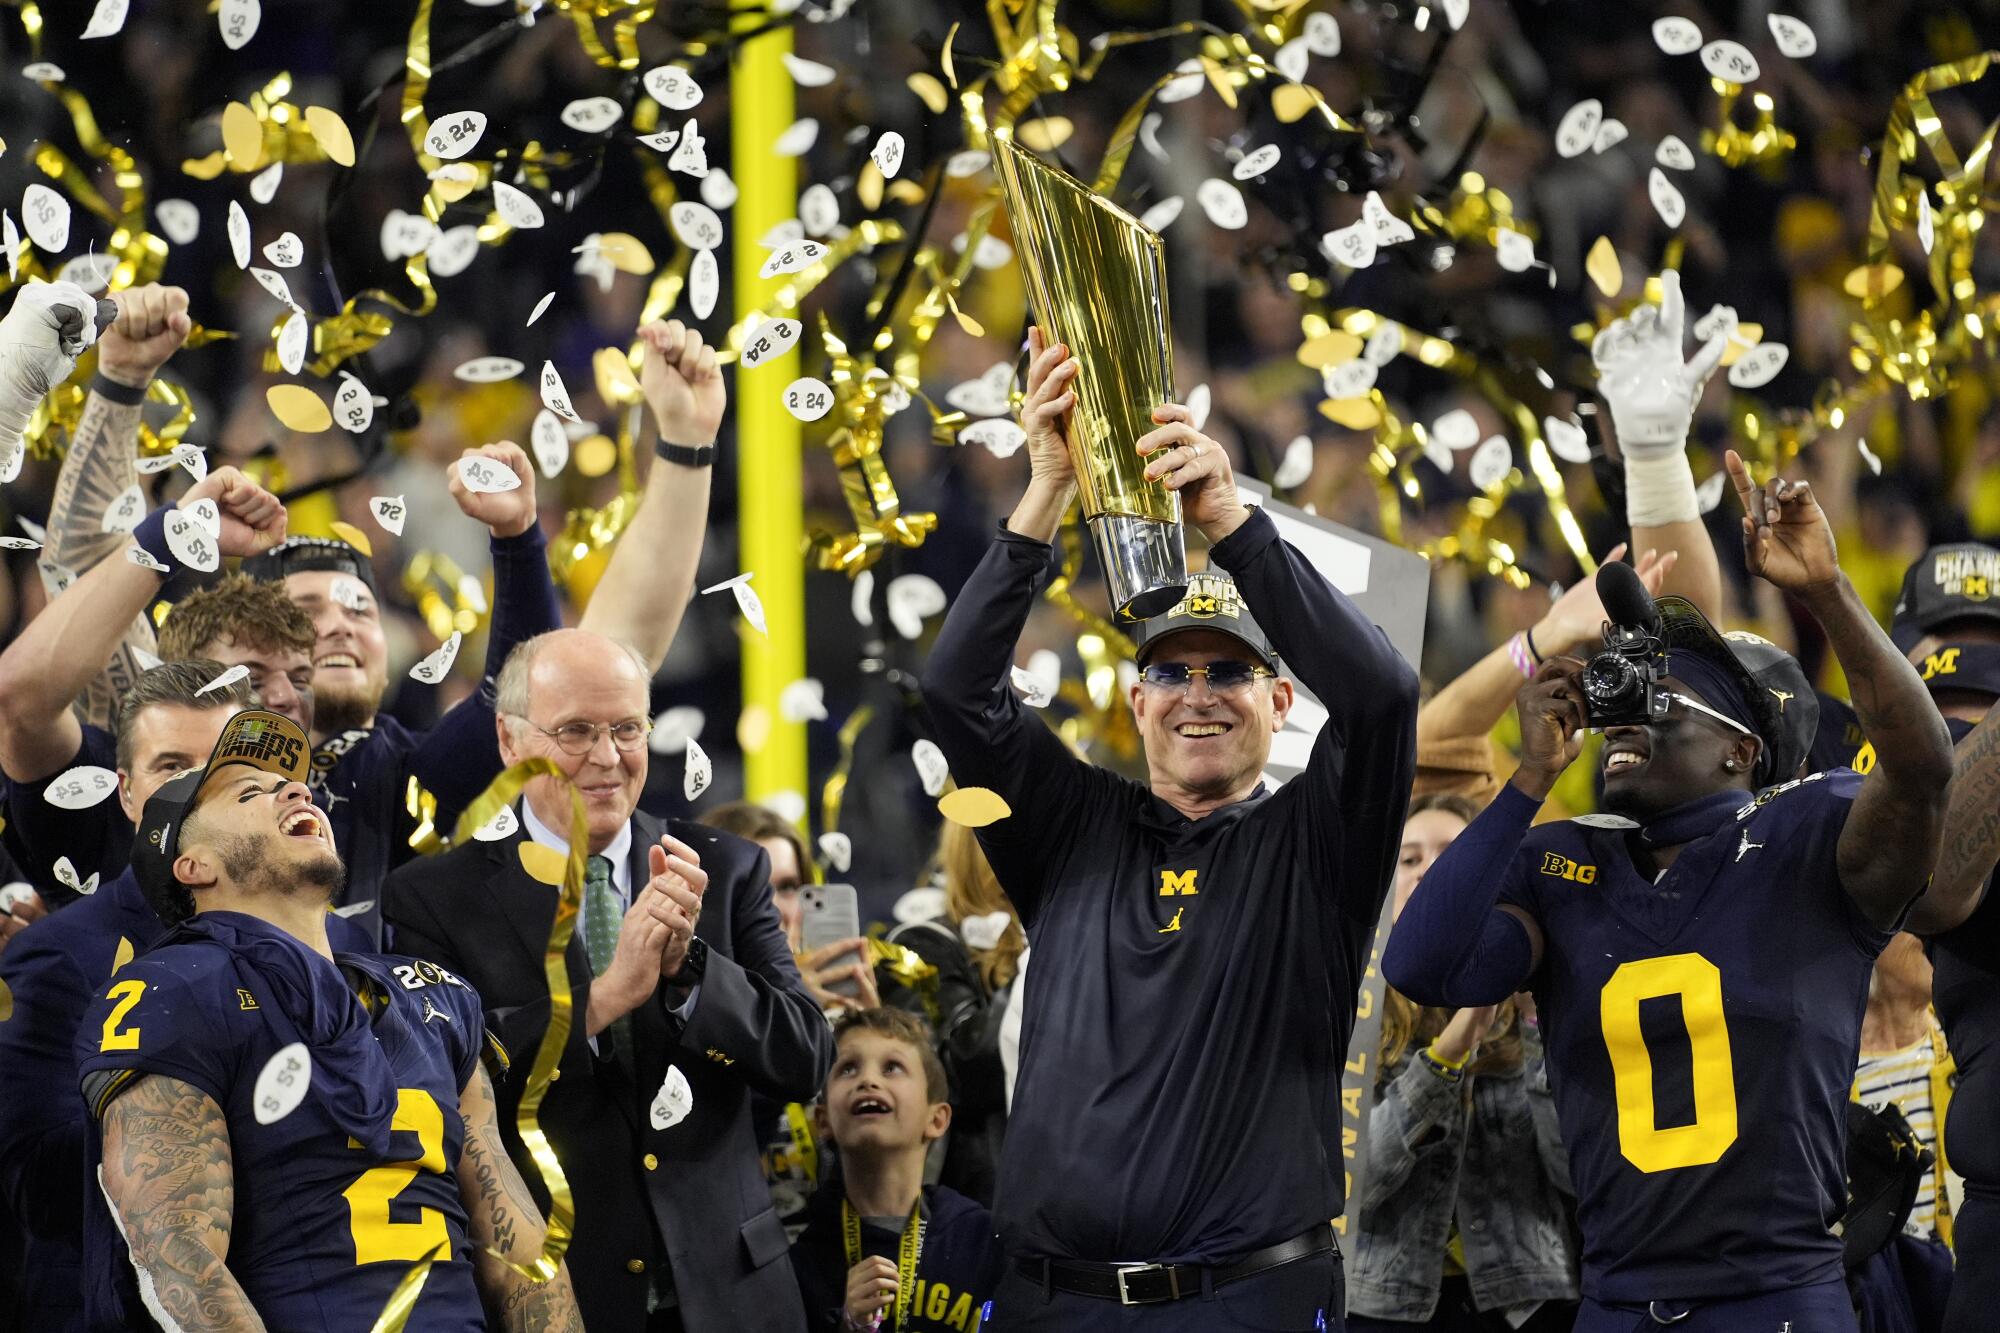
x: 1702, y: 1034
x: 323, y: 1228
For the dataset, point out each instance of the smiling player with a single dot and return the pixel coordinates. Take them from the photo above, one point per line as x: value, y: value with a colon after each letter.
x: 1701, y: 955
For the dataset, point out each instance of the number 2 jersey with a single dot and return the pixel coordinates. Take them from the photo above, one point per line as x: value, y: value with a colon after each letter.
x: 1702, y: 1034
x: 324, y: 1227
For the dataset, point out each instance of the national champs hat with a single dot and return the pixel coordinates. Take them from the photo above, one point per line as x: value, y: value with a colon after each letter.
x: 1774, y: 685
x: 262, y: 740
x: 1958, y: 581
x: 301, y: 555
x: 1212, y: 602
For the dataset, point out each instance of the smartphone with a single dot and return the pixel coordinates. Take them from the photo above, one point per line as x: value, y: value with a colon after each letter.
x: 831, y: 913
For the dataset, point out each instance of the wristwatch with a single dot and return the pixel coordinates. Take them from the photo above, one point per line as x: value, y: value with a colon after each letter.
x: 686, y: 455
x: 693, y: 965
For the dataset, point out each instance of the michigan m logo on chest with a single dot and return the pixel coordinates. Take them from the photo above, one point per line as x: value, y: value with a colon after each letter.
x: 1178, y: 882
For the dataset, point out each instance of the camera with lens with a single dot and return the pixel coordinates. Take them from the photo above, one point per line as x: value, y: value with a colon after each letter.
x: 1621, y: 684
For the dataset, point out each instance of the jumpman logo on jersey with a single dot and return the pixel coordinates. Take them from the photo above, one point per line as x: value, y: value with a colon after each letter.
x: 432, y: 1011
x: 1746, y: 847
x: 1173, y: 925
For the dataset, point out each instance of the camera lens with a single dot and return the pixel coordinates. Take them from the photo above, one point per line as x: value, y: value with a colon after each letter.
x: 1609, y: 681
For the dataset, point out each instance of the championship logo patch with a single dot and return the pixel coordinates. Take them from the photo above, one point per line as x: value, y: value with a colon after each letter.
x: 1208, y: 597
x: 1970, y: 574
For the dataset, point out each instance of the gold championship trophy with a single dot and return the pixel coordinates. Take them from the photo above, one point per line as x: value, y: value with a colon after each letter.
x: 1097, y: 283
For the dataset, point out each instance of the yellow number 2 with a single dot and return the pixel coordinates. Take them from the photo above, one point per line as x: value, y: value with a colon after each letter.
x: 378, y: 1239
x: 127, y: 993
x: 1698, y: 984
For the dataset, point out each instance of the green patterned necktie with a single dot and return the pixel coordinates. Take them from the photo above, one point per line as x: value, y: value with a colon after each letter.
x: 604, y: 914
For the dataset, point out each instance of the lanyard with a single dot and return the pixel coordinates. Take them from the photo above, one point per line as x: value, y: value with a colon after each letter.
x: 908, y: 1251
x: 804, y: 1151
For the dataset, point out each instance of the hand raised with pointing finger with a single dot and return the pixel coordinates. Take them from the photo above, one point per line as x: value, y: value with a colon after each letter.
x: 1786, y: 536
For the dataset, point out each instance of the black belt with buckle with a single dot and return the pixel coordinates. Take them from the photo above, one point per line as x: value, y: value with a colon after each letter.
x: 1150, y: 1284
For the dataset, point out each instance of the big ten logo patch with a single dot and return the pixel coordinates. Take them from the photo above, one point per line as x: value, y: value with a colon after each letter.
x: 1558, y: 866
x: 1178, y: 882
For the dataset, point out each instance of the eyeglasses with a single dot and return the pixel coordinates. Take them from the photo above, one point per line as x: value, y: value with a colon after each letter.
x: 1220, y: 677
x: 1697, y: 706
x: 580, y: 738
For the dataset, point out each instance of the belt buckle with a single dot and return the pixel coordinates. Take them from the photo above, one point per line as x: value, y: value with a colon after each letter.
x: 1124, y: 1296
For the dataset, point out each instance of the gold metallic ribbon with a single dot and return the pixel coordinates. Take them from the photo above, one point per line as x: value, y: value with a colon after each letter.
x: 403, y: 1300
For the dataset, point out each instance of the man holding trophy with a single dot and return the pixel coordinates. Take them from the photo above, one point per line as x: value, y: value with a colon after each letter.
x: 1199, y: 938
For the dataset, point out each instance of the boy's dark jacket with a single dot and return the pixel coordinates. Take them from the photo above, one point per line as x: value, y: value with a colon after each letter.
x: 955, y: 1277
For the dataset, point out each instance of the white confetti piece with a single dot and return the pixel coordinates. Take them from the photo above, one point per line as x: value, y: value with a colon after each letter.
x: 190, y: 543
x: 1514, y: 250
x: 751, y: 605
x: 1793, y: 36
x: 288, y: 251
x: 861, y: 598
x: 239, y: 20
x: 452, y: 250
x: 549, y: 443
x: 1667, y: 200
x: 44, y: 71
x: 15, y: 894
x: 348, y: 592
x: 66, y: 875
x: 673, y: 1101
x: 704, y: 284
x: 406, y: 234
x: 555, y: 395
x: 293, y: 336
x: 698, y: 773
x: 390, y: 511
x: 1223, y: 203
x: 138, y: 555
x: 206, y: 516
x: 1729, y: 61
x: 662, y: 142
x: 912, y: 599
x: 1162, y: 214
x: 353, y: 405
x: 517, y: 208
x: 932, y: 769
x: 1709, y: 494
x: 967, y: 162
x: 1322, y: 34
x: 1577, y: 130
x: 782, y: 234
x: 1350, y: 379
x: 1676, y: 36
x: 92, y: 272
x: 10, y: 237
x: 45, y: 215
x: 690, y: 156
x: 985, y: 930
x: 808, y: 399
x: 590, y: 115
x: 125, y: 512
x: 1186, y: 83
x: 1002, y: 438
x: 838, y: 849
x: 1456, y: 429
x: 1292, y: 59
x: 797, y: 139
x: 697, y: 225
x: 226, y: 679
x: 56, y: 576
x: 19, y: 544
x: 81, y: 787
x: 1609, y: 135
x: 793, y: 258
x: 717, y: 189
x: 674, y: 728
x: 1035, y: 692
x: 1759, y: 366
x: 107, y: 18
x: 1295, y: 466
x: 673, y: 88
x: 488, y: 369
x: 1352, y: 245
x: 807, y: 73
x: 1926, y: 224
x: 437, y: 665
x: 1456, y: 12
x: 282, y: 1084
x: 887, y: 154
x: 1388, y: 228
x: 486, y: 476
x: 1673, y: 153
x: 179, y: 220
x: 1566, y: 440
x: 988, y: 396
x: 1719, y: 319
x: 541, y: 308
x: 504, y: 824
x: 1491, y: 463
x: 274, y: 283
x: 1197, y: 404
x: 803, y: 700
x: 772, y: 338
x: 1867, y: 454
x: 264, y: 185
x: 1384, y: 345
x: 819, y: 210
x: 1257, y: 162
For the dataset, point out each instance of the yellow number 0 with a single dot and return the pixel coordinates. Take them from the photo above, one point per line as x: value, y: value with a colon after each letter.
x: 128, y: 993
x: 1699, y: 985
x: 377, y: 1239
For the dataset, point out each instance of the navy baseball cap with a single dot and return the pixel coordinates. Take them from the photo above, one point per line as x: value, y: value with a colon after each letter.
x: 1773, y: 684
x: 1212, y: 602
x: 301, y: 555
x: 1950, y: 583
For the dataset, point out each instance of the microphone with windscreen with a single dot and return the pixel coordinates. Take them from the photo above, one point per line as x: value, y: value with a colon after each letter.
x: 1621, y: 683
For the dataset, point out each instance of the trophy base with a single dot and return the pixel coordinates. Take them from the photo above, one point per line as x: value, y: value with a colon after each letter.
x: 1145, y: 563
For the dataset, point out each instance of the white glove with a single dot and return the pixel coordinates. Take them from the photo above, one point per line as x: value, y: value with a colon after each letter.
x: 49, y: 326
x: 1651, y: 392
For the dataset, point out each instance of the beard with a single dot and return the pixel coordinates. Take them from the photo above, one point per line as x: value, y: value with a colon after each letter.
x: 253, y: 861
x: 338, y: 708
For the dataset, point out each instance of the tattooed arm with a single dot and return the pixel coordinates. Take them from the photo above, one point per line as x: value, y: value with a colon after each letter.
x: 506, y: 1222
x: 1971, y: 842
x: 102, y: 462
x: 170, y: 1179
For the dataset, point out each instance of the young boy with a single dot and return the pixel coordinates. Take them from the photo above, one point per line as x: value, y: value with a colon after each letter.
x: 888, y: 1251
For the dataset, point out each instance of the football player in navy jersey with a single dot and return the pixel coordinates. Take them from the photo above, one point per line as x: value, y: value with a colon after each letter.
x: 1701, y: 955
x: 286, y: 1132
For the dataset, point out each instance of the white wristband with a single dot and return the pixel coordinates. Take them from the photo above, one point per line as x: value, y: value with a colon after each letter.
x: 1660, y: 490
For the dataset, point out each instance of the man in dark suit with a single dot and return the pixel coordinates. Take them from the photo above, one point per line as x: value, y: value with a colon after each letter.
x: 682, y: 988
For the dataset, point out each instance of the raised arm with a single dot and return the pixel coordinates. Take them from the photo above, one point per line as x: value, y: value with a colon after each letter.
x: 646, y: 587
x: 170, y: 1180
x: 1890, y: 840
x: 102, y: 461
x: 506, y: 1226
x: 1652, y: 391
x: 1971, y: 841
x: 60, y: 652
